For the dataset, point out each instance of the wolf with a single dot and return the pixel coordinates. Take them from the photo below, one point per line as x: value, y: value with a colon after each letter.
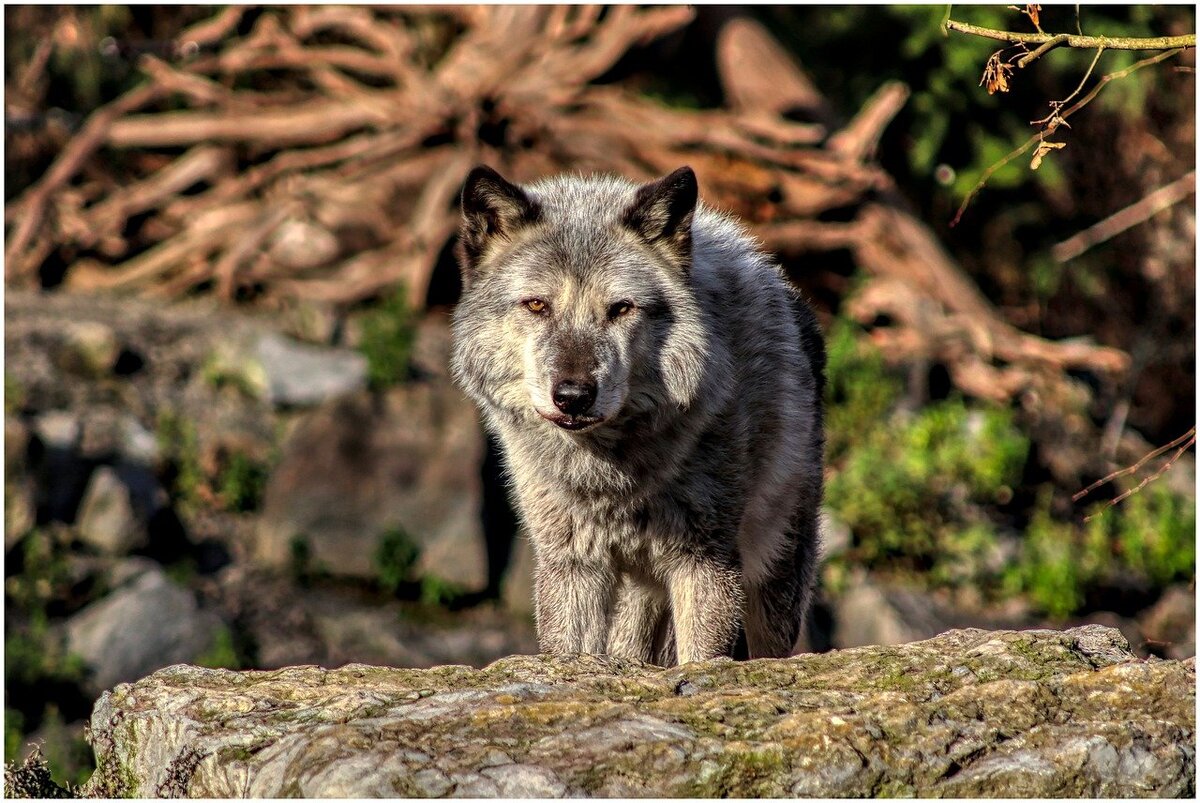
x: 656, y: 385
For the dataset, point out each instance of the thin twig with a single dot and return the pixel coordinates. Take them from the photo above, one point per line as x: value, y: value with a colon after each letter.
x: 1083, y: 42
x: 1055, y: 105
x: 1189, y: 437
x: 1161, y: 470
x: 1055, y: 123
x: 1127, y: 218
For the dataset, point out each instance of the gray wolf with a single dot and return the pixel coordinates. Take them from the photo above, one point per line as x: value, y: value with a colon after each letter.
x: 655, y: 384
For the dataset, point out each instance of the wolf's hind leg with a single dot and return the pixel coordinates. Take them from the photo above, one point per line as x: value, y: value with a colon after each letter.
x: 572, y: 605
x: 639, y: 611
x: 773, y: 620
x: 777, y: 607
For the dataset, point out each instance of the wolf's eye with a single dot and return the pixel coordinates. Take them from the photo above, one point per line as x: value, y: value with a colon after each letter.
x: 535, y: 305
x: 620, y: 308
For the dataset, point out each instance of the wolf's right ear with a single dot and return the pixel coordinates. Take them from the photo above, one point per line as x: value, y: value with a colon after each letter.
x: 491, y: 207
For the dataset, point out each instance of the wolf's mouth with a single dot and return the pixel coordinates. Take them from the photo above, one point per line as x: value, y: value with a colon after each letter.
x: 574, y: 423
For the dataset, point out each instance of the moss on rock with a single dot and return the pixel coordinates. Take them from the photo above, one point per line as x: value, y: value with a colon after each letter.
x: 969, y: 713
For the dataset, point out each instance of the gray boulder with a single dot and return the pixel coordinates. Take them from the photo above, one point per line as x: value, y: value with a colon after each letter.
x: 107, y: 520
x: 284, y: 371
x: 147, y: 623
x: 968, y: 714
x: 875, y: 613
x: 367, y: 465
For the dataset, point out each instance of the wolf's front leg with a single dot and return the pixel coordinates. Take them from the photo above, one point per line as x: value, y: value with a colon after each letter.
x: 637, y: 619
x: 707, y: 601
x: 572, y: 604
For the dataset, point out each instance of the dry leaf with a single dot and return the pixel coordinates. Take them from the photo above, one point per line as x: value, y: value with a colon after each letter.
x: 1033, y: 11
x: 995, y: 74
x: 1044, y: 148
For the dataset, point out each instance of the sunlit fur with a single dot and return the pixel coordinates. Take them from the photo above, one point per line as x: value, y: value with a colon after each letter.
x: 688, y: 510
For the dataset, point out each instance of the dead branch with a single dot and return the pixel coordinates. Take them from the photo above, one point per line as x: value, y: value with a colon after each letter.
x: 1183, y: 442
x: 859, y: 139
x: 335, y: 176
x: 1077, y: 41
x: 1139, y: 212
x: 1055, y: 123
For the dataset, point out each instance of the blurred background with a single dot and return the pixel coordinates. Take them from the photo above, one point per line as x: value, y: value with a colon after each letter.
x: 230, y: 438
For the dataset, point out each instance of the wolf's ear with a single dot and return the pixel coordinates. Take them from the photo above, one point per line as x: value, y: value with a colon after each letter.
x: 661, y: 213
x: 491, y: 207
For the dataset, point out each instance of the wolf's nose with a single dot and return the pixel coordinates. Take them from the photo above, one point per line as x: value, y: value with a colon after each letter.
x: 572, y: 397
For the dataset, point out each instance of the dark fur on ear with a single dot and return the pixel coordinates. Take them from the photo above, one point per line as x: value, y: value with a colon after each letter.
x: 491, y: 207
x: 661, y: 213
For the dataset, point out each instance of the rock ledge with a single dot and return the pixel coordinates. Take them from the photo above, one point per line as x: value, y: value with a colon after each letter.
x: 968, y: 713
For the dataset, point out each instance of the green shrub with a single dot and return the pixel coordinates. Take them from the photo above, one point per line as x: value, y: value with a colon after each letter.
x: 180, y: 445
x: 438, y: 592
x: 859, y: 391
x: 915, y: 489
x: 1148, y: 538
x: 222, y: 654
x: 395, y: 558
x: 242, y: 483
x: 387, y: 338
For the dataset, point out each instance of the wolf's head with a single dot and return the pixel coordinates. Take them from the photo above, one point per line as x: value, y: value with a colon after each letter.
x: 577, y: 306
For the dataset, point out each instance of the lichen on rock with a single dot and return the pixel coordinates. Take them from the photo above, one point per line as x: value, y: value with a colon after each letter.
x: 968, y: 713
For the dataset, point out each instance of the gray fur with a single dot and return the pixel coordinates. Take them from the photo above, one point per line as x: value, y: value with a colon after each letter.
x: 683, y: 506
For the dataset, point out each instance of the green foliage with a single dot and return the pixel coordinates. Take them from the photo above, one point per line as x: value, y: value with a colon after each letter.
x: 242, y: 482
x: 1049, y: 570
x: 387, y: 339
x: 222, y: 654
x: 239, y: 481
x: 1155, y: 535
x: 859, y: 391
x: 14, y: 394
x: 395, y: 558
x: 925, y: 494
x: 950, y: 117
x: 437, y: 592
x: 14, y: 733
x: 35, y: 658
x: 179, y: 444
x: 910, y: 483
x: 1150, y: 537
x: 302, y: 564
x: 913, y: 488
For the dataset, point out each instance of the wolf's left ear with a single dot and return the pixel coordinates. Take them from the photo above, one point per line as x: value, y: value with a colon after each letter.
x: 661, y: 213
x: 491, y: 207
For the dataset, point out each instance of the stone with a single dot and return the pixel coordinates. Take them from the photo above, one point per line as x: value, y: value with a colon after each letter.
x: 138, y: 444
x: 302, y: 245
x: 57, y: 429
x: 405, y: 462
x: 20, y: 508
x: 88, y: 348
x: 146, y: 624
x: 1170, y: 625
x: 107, y: 520
x: 299, y: 374
x: 870, y: 613
x: 970, y: 713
